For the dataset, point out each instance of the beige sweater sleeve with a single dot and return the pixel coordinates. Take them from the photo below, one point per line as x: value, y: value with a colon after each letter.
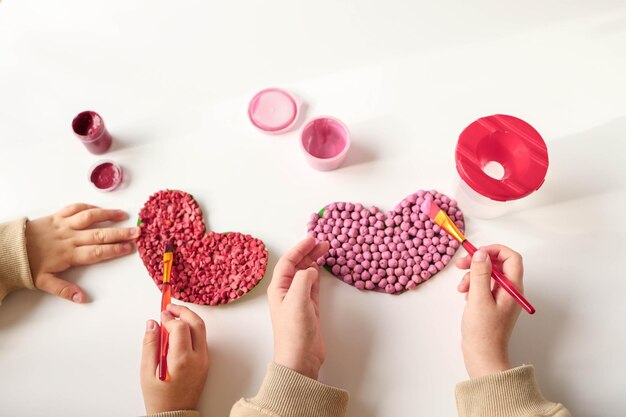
x: 180, y: 413
x: 512, y: 393
x: 286, y: 393
x: 14, y: 267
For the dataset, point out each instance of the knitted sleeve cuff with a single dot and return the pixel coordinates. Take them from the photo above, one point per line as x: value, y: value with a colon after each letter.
x: 287, y: 393
x: 179, y: 413
x: 14, y: 267
x: 512, y: 393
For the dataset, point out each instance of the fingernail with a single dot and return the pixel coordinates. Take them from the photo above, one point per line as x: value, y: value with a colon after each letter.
x: 150, y: 326
x: 76, y: 297
x: 167, y: 314
x: 121, y: 213
x: 480, y: 256
x: 135, y: 231
x: 127, y: 247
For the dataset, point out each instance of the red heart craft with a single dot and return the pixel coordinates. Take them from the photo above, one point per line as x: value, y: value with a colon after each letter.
x: 209, y: 268
x: 392, y: 252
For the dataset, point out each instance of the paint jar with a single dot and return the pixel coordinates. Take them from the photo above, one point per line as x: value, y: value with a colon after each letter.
x: 106, y: 175
x: 325, y: 142
x: 274, y: 111
x: 89, y: 128
x: 500, y: 160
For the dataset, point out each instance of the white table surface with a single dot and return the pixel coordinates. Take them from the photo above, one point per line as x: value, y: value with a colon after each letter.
x: 172, y: 80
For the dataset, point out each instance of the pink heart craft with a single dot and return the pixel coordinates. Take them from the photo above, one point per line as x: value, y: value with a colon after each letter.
x: 392, y: 252
x: 209, y: 268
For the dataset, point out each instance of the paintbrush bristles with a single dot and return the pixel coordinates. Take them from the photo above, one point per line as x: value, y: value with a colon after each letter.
x: 440, y: 218
x: 429, y: 207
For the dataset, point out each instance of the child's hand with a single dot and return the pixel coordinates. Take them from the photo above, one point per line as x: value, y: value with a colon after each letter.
x: 490, y: 313
x: 57, y: 242
x: 294, y: 306
x: 187, y: 362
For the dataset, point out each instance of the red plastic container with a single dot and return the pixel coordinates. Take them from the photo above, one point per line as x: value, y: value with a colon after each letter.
x: 505, y: 142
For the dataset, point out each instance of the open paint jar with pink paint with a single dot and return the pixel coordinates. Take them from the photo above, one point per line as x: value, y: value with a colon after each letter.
x: 106, y: 175
x: 325, y: 142
x: 89, y: 128
x: 500, y: 160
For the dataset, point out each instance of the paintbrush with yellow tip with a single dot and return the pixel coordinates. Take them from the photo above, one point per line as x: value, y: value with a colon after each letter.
x: 440, y: 217
x: 166, y: 298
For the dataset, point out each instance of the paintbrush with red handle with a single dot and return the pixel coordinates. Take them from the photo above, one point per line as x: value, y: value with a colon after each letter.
x: 166, y: 298
x: 440, y: 217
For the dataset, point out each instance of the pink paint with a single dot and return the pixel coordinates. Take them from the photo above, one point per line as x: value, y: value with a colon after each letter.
x: 106, y: 175
x: 89, y: 127
x: 273, y: 111
x: 425, y: 207
x: 325, y: 142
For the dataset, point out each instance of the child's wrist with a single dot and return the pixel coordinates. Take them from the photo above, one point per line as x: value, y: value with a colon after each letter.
x: 482, y: 367
x: 309, y: 369
x: 485, y: 357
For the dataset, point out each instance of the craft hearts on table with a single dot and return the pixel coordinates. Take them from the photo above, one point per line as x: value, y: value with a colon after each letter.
x: 209, y: 268
x: 391, y: 252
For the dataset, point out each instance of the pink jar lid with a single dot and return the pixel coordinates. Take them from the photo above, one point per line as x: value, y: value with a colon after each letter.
x: 510, y: 142
x: 106, y: 175
x: 273, y: 110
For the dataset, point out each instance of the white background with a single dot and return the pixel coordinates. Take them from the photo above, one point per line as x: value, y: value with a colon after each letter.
x: 172, y: 80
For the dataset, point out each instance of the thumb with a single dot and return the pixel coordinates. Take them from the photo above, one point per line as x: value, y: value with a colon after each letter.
x: 480, y: 277
x: 54, y: 285
x: 303, y: 282
x: 150, y: 352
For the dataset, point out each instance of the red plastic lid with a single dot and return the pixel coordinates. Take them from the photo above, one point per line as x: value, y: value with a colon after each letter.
x: 512, y: 143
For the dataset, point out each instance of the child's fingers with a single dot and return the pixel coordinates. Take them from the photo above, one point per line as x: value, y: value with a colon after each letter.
x: 297, y: 253
x: 499, y: 252
x: 286, y: 268
x: 320, y: 248
x: 464, y: 262
x: 303, y: 283
x: 54, y: 285
x: 480, y: 278
x: 315, y: 289
x: 104, y: 235
x: 72, y: 209
x: 507, y: 260
x: 91, y: 254
x: 196, y: 325
x: 86, y: 218
x: 464, y: 285
x: 497, y: 292
x: 180, y: 335
x: 150, y: 351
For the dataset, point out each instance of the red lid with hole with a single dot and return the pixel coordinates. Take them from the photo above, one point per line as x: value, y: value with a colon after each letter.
x: 510, y: 142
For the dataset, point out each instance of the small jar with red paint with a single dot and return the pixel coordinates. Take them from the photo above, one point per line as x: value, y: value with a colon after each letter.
x: 89, y: 128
